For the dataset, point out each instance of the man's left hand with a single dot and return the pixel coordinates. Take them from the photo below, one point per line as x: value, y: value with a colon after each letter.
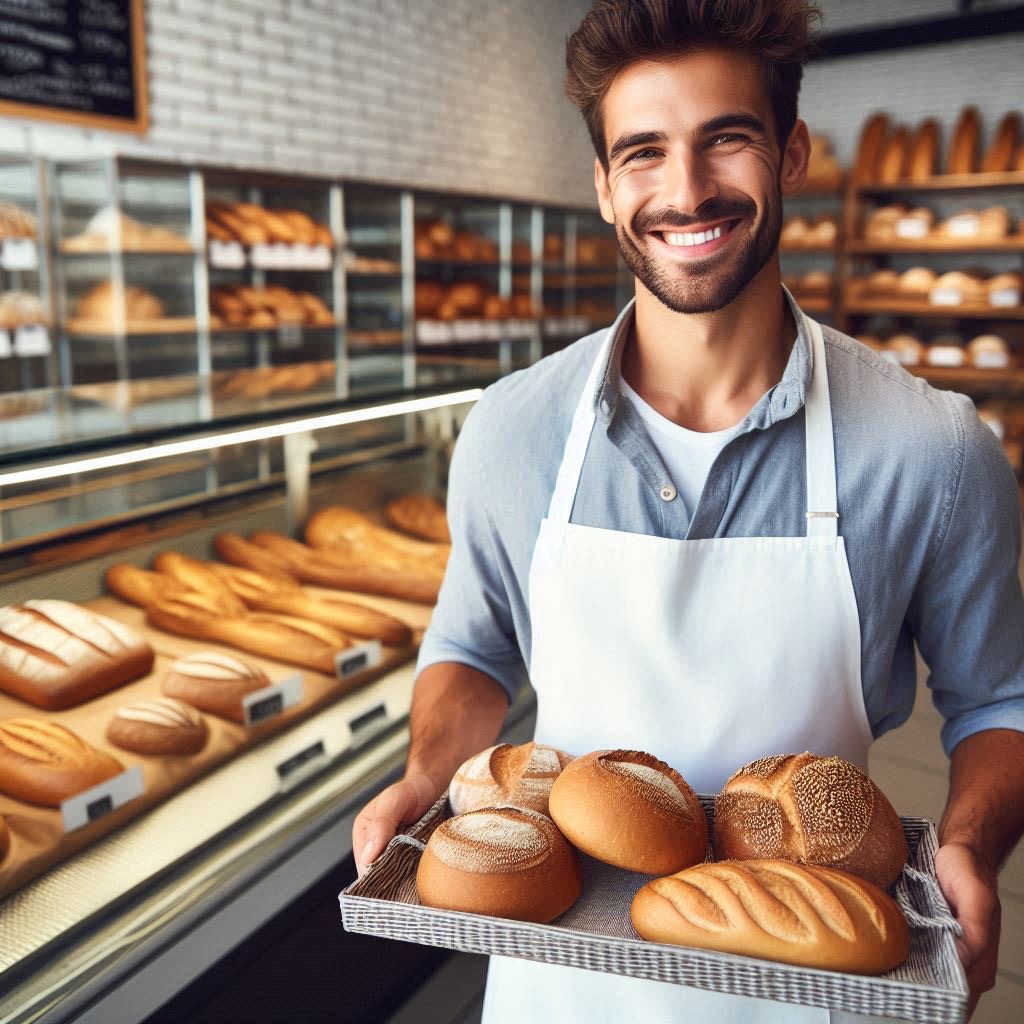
x: 970, y: 889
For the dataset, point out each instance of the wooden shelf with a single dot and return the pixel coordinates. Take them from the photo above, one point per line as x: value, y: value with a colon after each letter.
x: 902, y: 307
x: 970, y: 378
x: 815, y: 303
x: 948, y: 183
x: 791, y: 248
x: 925, y: 246
x: 107, y: 329
x: 376, y: 338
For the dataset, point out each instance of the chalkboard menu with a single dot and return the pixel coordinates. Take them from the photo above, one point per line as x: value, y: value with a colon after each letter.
x: 81, y: 61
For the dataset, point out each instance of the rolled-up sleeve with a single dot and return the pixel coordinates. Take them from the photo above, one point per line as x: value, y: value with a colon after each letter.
x: 968, y: 612
x: 472, y: 623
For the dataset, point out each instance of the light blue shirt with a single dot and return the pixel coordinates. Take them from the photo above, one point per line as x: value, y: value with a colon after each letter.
x: 929, y: 510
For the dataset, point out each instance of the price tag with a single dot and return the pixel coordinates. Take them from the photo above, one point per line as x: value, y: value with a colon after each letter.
x: 963, y: 226
x: 289, y: 336
x: 946, y: 297
x: 19, y: 254
x: 1004, y: 297
x: 302, y: 765
x: 226, y: 255
x: 272, y: 700
x: 6, y: 349
x: 945, y: 355
x: 99, y: 801
x: 367, y: 725
x: 359, y: 658
x: 319, y: 257
x: 263, y: 256
x: 911, y: 227
x: 492, y: 330
x: 994, y: 360
x: 32, y: 340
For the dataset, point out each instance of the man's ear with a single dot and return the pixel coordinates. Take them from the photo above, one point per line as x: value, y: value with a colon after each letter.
x: 604, y: 196
x: 795, y: 158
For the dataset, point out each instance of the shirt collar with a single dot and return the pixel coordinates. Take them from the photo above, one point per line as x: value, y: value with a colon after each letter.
x: 779, y: 403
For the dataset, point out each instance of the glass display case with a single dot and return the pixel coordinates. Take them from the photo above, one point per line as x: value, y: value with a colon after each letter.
x: 26, y: 352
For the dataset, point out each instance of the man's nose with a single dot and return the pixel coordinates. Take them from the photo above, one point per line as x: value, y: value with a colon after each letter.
x: 688, y: 181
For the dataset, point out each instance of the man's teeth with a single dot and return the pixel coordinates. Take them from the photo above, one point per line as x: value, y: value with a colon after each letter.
x: 693, y: 238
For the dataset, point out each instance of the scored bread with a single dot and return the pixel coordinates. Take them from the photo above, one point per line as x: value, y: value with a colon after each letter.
x: 631, y: 810
x: 519, y: 776
x: 501, y: 861
x: 812, y: 810
x: 791, y: 913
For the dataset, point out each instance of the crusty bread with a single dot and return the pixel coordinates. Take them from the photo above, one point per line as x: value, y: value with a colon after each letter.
x: 629, y: 809
x: 519, y: 776
x: 963, y: 149
x: 922, y: 162
x: 869, y: 149
x: 420, y: 515
x: 161, y: 726
x: 895, y: 155
x: 791, y: 913
x: 141, y: 586
x: 45, y: 763
x: 340, y: 528
x: 195, y: 575
x: 502, y: 861
x: 999, y: 156
x: 54, y: 654
x: 812, y: 810
x: 214, y: 682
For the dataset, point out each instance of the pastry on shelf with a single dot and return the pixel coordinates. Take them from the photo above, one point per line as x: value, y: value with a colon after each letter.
x: 420, y: 515
x: 904, y: 349
x: 999, y: 156
x: 271, y: 306
x: 894, y: 155
x: 916, y: 283
x: 251, y: 224
x: 214, y: 682
x: 554, y: 248
x: 922, y: 159
x: 869, y: 149
x: 880, y: 283
x: 794, y: 231
x: 989, y: 352
x: 816, y: 283
x: 110, y: 229
x: 1003, y: 290
x: 823, y: 170
x: 16, y: 222
x: 158, y: 727
x: 823, y: 232
x: 596, y: 251
x: 963, y: 149
x: 265, y: 381
x: 106, y: 308
x: 21, y: 309
x: 957, y: 288
x: 881, y: 223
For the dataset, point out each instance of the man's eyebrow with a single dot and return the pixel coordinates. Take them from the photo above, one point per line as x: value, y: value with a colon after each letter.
x: 734, y: 120
x: 635, y: 139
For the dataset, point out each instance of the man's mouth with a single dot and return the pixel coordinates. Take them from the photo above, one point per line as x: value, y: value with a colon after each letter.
x: 708, y: 239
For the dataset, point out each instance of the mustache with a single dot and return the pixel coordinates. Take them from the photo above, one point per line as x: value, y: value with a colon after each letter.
x: 713, y: 209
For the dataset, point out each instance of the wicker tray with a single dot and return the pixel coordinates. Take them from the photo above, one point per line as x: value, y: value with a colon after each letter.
x: 596, y: 934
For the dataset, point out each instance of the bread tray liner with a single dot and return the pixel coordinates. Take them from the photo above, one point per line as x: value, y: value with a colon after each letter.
x: 596, y: 934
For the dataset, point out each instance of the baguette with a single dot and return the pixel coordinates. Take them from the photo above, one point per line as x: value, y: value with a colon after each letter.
x: 284, y: 594
x: 420, y: 515
x: 963, y: 150
x: 346, y: 529
x: 45, y: 763
x: 791, y: 913
x: 195, y: 575
x: 140, y: 586
x: 999, y: 156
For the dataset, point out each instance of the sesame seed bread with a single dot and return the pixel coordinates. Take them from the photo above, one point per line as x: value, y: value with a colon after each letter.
x: 501, y: 861
x: 629, y: 809
x: 791, y: 913
x: 811, y: 810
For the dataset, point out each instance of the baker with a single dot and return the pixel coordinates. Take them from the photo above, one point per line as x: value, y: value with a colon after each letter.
x: 716, y: 529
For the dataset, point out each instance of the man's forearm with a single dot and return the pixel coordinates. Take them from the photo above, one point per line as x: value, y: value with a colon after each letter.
x: 456, y: 712
x: 985, y: 809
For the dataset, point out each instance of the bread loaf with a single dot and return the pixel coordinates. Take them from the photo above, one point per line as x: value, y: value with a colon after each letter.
x: 5, y: 838
x: 924, y: 150
x: 629, y: 809
x: 160, y: 726
x: 214, y: 682
x: 420, y: 515
x: 999, y: 156
x: 869, y: 149
x: 504, y: 862
x: 519, y: 776
x: 812, y: 810
x: 54, y: 654
x: 45, y: 763
x: 192, y: 573
x: 791, y: 913
x: 963, y: 150
x: 140, y: 586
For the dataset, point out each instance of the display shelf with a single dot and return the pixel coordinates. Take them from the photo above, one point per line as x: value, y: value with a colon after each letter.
x: 970, y: 378
x: 831, y: 250
x: 947, y: 183
x: 815, y: 303
x: 901, y: 307
x: 131, y: 328
x: 938, y: 246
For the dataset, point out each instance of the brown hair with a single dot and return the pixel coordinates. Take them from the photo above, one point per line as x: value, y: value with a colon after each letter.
x: 617, y: 33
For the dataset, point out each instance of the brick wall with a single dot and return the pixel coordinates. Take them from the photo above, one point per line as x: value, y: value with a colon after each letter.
x: 460, y: 94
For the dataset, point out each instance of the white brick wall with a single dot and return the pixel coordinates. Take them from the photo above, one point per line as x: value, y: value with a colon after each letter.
x: 459, y: 94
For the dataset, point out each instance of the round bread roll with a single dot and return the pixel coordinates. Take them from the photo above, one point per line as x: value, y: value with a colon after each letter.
x: 812, y: 810
x: 881, y: 282
x: 501, y: 861
x: 161, y: 726
x: 791, y: 913
x: 214, y: 682
x: 816, y: 281
x: 519, y: 776
x: 629, y: 809
x: 917, y: 281
x: 794, y: 231
x: 904, y: 349
x: 989, y: 351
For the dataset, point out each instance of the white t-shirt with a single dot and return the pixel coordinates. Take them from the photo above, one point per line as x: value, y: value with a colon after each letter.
x: 688, y: 454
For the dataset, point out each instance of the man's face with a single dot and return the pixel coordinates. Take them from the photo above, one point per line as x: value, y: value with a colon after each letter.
x: 694, y: 185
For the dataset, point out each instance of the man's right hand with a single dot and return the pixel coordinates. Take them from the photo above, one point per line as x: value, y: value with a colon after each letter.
x: 378, y: 822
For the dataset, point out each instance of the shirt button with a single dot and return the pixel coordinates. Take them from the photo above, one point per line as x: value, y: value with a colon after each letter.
x: 668, y: 492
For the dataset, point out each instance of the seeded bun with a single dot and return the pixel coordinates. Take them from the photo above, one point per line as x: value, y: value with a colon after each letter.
x: 519, y: 776
x: 629, y: 809
x: 502, y: 861
x: 811, y: 810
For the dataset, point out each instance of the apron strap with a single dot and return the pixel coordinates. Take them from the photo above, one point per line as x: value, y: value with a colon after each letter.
x: 566, y: 485
x: 822, y: 504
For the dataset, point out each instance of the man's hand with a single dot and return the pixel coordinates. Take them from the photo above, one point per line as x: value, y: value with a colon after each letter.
x: 970, y: 889
x: 379, y: 821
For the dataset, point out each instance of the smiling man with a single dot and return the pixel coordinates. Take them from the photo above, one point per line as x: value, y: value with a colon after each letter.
x: 716, y: 530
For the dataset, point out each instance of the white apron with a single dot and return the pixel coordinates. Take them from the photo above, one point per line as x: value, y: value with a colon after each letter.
x: 706, y: 653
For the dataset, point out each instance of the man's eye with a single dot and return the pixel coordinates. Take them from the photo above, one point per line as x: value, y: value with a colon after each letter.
x: 728, y: 137
x: 642, y: 154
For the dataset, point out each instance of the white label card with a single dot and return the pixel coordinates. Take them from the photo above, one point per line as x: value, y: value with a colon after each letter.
x: 359, y: 658
x: 33, y: 340
x: 963, y: 226
x: 911, y: 227
x: 226, y: 255
x: 100, y: 800
x: 6, y: 349
x: 367, y: 725
x: 272, y: 700
x: 302, y: 764
x: 1004, y: 297
x: 19, y: 254
x: 947, y: 297
x: 991, y: 360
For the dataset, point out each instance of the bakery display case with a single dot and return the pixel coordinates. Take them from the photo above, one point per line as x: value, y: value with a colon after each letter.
x: 26, y: 349
x: 127, y: 270
x: 117, y: 879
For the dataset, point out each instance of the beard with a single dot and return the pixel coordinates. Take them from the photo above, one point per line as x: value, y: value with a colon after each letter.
x: 710, y: 283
